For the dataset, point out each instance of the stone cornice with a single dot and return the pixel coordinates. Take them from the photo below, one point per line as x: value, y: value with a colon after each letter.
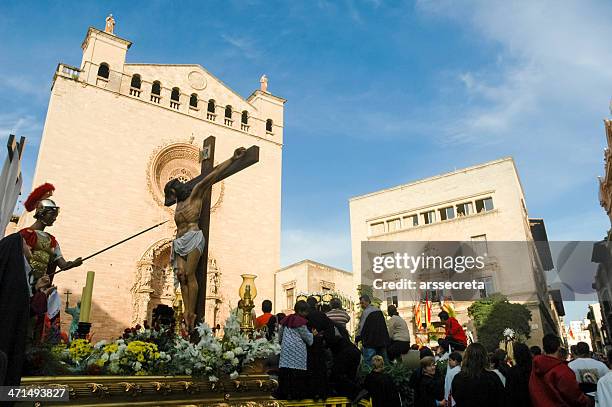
x: 113, y: 37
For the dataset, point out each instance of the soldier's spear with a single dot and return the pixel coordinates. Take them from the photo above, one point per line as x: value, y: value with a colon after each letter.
x: 116, y: 244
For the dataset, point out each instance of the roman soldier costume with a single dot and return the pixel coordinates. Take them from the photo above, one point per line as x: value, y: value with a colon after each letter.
x: 43, y: 245
x: 46, y: 256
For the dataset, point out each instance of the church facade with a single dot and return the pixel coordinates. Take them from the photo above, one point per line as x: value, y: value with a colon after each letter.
x: 114, y: 134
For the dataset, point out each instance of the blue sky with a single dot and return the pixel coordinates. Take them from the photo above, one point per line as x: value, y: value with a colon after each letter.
x: 379, y: 93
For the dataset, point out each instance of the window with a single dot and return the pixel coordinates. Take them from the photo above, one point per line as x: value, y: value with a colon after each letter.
x: 245, y: 117
x: 484, y: 205
x: 156, y: 92
x: 103, y: 70
x: 447, y: 213
x: 228, y: 111
x: 479, y: 245
x: 488, y: 289
x: 176, y: 94
x: 411, y: 221
x: 377, y: 228
x: 193, y: 100
x: 269, y: 125
x: 175, y: 97
x: 392, y: 298
x: 429, y: 217
x: 393, y: 225
x: 156, y: 88
x: 290, y: 297
x: 136, y: 81
x: 431, y: 295
x: 464, y: 209
x: 135, y: 85
x: 211, y: 106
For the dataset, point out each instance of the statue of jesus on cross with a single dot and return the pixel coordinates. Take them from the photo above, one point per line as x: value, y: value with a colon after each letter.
x: 192, y: 216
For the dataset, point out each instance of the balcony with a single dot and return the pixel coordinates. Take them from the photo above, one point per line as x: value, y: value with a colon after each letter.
x: 135, y: 92
x: 244, y: 127
x: 211, y: 116
x: 155, y: 98
x: 69, y: 71
x: 229, y: 122
x: 174, y: 104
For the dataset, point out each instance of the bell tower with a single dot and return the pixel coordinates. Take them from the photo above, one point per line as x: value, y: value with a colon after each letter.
x: 103, y: 54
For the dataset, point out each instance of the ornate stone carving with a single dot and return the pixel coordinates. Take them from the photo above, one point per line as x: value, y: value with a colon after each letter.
x: 197, y: 80
x: 177, y: 160
x: 150, y: 276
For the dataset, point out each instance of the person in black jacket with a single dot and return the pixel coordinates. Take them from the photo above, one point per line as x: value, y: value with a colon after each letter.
x: 372, y: 331
x: 345, y: 364
x: 427, y: 384
x: 380, y: 385
x: 475, y: 385
x: 319, y: 355
x: 517, y: 382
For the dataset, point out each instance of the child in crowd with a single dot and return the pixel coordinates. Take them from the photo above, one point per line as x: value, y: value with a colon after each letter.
x: 380, y: 385
x: 454, y: 367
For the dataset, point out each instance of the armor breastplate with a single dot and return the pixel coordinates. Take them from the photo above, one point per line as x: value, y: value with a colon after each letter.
x: 42, y: 254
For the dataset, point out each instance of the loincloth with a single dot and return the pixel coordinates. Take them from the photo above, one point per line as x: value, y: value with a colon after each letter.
x: 183, y: 245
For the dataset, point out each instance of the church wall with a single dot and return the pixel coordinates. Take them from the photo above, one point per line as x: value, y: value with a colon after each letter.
x: 96, y: 148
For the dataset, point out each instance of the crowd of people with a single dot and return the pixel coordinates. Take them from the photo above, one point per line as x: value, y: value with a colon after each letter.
x: 318, y: 359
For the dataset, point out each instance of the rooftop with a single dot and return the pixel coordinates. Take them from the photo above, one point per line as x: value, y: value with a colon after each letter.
x: 448, y: 174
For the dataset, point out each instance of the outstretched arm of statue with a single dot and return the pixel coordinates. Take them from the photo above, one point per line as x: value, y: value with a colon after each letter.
x: 65, y: 265
x: 202, y: 186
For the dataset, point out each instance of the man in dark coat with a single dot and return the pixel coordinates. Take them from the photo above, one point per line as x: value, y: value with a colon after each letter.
x: 319, y: 355
x: 372, y: 331
x: 14, y: 306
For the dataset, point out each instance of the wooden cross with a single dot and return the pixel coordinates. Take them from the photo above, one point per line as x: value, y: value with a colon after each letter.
x: 207, y: 157
x: 67, y: 292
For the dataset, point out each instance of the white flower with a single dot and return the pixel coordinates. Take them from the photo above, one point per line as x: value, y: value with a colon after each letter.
x: 104, y: 357
x: 235, y: 361
x: 188, y: 371
x: 229, y: 355
x: 137, y: 366
x: 234, y: 375
x: 100, y: 344
x: 238, y: 351
x: 212, y: 378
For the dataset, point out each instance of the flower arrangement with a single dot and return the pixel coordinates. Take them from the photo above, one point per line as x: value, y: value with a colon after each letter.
x: 509, y: 334
x: 80, y: 349
x: 145, y: 351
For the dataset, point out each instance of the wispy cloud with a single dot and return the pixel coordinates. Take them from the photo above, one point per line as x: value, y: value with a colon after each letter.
x: 25, y: 86
x: 20, y: 125
x: 245, y: 45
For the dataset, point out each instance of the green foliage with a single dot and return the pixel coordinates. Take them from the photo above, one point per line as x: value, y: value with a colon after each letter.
x: 494, y: 314
x: 399, y: 372
x: 442, y: 366
x: 479, y: 311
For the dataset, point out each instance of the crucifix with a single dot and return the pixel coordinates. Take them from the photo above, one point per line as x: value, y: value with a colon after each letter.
x: 67, y: 292
x: 192, y: 218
